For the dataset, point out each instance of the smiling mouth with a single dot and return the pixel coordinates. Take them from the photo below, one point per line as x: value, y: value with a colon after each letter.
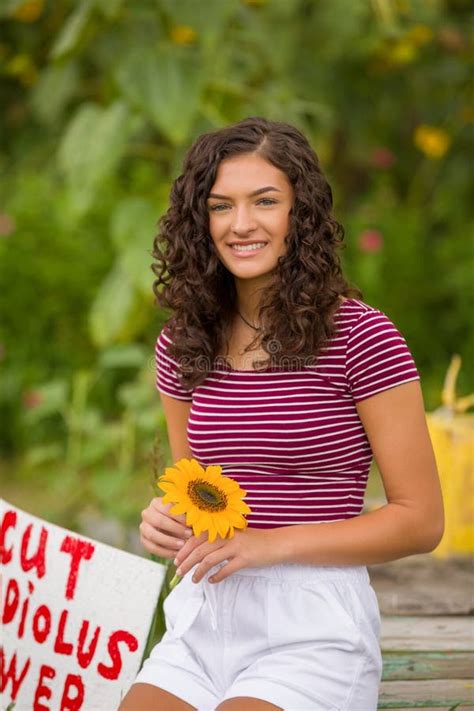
x: 247, y: 248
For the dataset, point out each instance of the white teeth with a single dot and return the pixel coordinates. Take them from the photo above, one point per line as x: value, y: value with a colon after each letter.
x: 248, y: 247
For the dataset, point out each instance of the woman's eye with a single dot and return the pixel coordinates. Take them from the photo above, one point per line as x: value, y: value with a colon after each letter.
x: 265, y: 201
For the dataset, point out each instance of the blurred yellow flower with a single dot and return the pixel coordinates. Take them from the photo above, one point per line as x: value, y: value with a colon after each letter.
x: 402, y: 52
x: 22, y: 67
x: 212, y: 502
x: 420, y: 34
x: 432, y: 141
x: 183, y: 34
x: 403, y: 6
x: 28, y: 11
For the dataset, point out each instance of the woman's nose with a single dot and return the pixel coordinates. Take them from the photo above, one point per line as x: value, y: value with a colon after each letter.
x: 242, y: 221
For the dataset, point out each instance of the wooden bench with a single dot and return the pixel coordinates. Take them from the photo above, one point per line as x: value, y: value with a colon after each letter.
x: 428, y: 656
x: 428, y: 662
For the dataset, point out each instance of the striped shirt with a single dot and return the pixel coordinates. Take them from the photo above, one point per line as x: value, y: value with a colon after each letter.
x: 293, y: 439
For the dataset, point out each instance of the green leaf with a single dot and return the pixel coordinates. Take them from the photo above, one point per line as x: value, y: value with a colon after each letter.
x: 92, y: 146
x: 56, y: 85
x: 111, y: 308
x: 72, y: 31
x: 123, y: 356
x: 43, y: 454
x: 166, y: 86
x: 208, y: 25
x: 94, y: 450
x: 91, y: 421
x: 147, y: 421
x: 52, y: 398
x: 107, y: 484
x: 135, y: 396
x: 133, y: 226
x: 109, y: 8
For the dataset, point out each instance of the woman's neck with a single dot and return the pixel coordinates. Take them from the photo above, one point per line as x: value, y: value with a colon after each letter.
x: 248, y: 301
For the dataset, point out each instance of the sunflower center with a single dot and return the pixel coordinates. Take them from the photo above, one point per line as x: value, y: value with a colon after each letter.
x: 206, y: 496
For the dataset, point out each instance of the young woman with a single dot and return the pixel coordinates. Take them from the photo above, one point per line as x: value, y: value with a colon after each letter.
x: 274, y: 368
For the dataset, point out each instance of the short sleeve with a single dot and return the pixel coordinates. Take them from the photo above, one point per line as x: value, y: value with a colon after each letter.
x: 377, y: 356
x: 166, y: 370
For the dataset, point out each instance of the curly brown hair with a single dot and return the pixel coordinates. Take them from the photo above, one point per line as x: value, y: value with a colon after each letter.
x: 297, y: 308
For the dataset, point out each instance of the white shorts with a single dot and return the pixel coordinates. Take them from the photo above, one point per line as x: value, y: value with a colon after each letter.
x: 298, y: 636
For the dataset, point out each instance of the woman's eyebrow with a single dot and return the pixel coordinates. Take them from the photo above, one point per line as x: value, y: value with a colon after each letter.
x: 255, y: 192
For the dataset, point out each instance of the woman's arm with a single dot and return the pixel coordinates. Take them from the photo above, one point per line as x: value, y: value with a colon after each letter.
x: 177, y: 415
x: 412, y: 520
x: 161, y: 533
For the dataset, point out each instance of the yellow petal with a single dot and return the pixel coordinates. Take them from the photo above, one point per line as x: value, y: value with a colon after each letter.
x: 239, y: 506
x: 195, y: 468
x: 229, y: 485
x: 214, y: 472
x: 166, y: 486
x: 169, y: 498
x: 222, y: 524
x: 242, y: 524
x: 197, y: 528
x: 212, y: 532
x: 192, y: 515
x: 178, y: 509
x: 202, y: 523
x: 233, y: 517
x: 190, y: 468
x: 171, y: 474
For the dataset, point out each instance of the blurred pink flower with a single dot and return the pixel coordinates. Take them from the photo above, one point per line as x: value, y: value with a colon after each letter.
x: 7, y: 224
x: 451, y: 39
x: 32, y: 398
x: 370, y: 241
x: 382, y: 157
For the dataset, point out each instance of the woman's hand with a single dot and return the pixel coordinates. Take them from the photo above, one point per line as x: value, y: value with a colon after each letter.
x: 249, y: 548
x: 161, y: 533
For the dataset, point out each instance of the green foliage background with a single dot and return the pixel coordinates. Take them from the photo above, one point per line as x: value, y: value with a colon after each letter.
x: 101, y: 99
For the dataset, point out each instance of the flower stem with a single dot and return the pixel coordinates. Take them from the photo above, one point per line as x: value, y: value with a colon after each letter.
x: 175, y: 580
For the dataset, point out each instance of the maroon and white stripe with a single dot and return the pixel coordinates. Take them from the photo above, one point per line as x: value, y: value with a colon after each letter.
x: 293, y: 439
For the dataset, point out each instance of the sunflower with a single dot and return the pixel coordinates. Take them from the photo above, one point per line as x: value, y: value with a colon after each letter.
x: 211, y: 501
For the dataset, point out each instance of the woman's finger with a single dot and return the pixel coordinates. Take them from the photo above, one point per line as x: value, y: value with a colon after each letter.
x: 162, y: 521
x: 156, y: 550
x: 158, y: 505
x: 186, y: 561
x: 213, y: 559
x: 158, y: 538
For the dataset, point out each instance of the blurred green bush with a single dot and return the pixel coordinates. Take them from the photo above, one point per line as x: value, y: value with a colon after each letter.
x: 101, y: 98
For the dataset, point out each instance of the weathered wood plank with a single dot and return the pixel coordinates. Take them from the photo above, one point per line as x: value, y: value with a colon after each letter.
x: 428, y: 665
x: 422, y: 694
x: 461, y: 707
x: 427, y: 633
x: 424, y: 585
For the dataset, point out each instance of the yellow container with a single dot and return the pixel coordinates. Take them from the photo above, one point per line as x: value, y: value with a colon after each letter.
x: 452, y: 435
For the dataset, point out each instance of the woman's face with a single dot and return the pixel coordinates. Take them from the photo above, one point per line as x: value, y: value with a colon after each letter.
x: 249, y: 206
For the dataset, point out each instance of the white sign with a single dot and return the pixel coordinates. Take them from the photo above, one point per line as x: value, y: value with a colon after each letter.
x: 75, y: 616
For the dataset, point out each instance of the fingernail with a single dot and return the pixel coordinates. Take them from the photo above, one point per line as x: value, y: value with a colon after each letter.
x: 176, y: 561
x: 179, y: 544
x: 179, y: 572
x: 188, y: 532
